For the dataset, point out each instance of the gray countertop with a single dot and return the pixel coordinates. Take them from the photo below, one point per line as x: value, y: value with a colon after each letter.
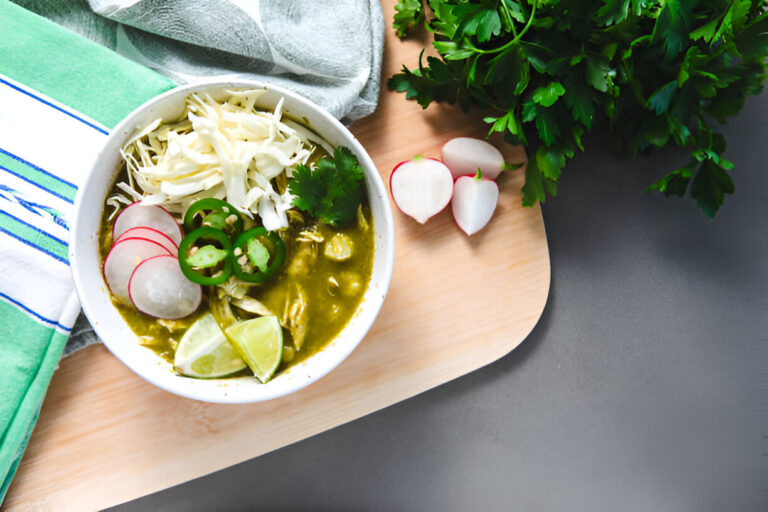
x: 644, y: 386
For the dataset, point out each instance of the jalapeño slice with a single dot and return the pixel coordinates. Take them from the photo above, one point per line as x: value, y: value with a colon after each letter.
x: 204, y: 256
x: 257, y: 255
x: 213, y: 213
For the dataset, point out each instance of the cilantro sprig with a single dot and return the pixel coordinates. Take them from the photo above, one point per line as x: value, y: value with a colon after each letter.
x: 654, y: 72
x: 331, y: 191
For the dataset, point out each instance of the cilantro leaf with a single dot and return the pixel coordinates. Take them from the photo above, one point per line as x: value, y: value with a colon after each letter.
x: 671, y: 27
x: 534, y: 190
x: 709, y: 187
x: 660, y: 100
x: 706, y: 31
x: 489, y: 25
x: 332, y: 191
x: 613, y: 12
x: 547, y: 95
x: 307, y: 187
x: 676, y: 182
x: 579, y: 100
x: 408, y: 13
x: 547, y: 125
x: 504, y: 68
x: 599, y: 73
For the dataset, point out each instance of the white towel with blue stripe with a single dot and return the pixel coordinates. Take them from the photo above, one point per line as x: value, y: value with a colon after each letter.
x: 45, y: 151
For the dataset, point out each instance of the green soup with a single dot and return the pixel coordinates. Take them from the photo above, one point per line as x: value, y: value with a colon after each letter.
x: 314, y: 295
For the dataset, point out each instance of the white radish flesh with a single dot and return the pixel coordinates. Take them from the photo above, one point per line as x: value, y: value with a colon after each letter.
x: 474, y: 201
x: 150, y: 234
x: 159, y: 288
x: 123, y: 258
x: 156, y: 217
x: 421, y: 187
x: 465, y: 155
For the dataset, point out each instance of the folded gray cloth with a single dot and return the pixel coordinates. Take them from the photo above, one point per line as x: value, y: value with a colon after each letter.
x: 327, y: 50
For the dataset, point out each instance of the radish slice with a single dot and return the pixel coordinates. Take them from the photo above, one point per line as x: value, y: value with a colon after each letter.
x: 465, y: 155
x: 156, y: 217
x: 153, y: 235
x: 474, y: 201
x: 159, y: 288
x: 421, y: 187
x: 123, y: 258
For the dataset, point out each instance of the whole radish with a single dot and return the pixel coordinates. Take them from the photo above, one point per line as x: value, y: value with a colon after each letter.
x: 421, y: 187
x: 474, y: 201
x: 465, y: 155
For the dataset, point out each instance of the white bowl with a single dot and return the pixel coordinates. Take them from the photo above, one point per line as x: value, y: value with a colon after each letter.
x: 113, y: 330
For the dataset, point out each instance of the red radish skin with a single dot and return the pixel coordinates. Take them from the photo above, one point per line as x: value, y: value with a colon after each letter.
x: 474, y: 201
x: 158, y: 288
x: 465, y: 155
x: 156, y: 217
x: 123, y: 258
x: 421, y: 187
x: 150, y: 234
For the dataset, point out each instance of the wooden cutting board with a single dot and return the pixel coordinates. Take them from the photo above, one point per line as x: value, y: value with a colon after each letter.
x: 455, y: 304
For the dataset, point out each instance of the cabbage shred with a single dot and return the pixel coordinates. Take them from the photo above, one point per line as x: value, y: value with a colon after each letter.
x: 226, y: 149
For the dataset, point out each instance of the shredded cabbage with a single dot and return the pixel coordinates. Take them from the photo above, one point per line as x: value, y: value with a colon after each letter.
x: 228, y: 150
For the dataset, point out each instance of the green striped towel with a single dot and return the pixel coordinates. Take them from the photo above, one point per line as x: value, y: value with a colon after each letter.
x: 59, y: 95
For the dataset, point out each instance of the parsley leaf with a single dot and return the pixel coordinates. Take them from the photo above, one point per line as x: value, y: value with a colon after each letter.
x: 332, y: 191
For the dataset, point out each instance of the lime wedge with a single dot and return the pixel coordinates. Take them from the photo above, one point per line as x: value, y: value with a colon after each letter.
x: 205, y: 352
x: 260, y: 342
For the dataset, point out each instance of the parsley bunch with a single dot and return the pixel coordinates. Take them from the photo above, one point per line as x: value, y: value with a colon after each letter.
x: 654, y: 72
x: 332, y: 191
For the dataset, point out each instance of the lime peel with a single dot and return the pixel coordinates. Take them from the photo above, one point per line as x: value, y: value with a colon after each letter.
x: 204, y: 351
x: 259, y: 341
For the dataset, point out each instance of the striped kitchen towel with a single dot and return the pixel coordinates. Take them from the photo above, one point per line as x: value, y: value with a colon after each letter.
x: 59, y: 94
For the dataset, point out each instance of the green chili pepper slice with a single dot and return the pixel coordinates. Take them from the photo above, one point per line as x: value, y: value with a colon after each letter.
x: 214, y: 213
x: 204, y: 256
x: 257, y: 255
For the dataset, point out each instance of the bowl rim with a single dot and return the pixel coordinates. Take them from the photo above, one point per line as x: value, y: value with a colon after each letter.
x: 126, y: 128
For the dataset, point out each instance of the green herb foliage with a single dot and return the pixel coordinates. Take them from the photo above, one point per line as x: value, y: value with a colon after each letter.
x: 331, y: 191
x: 654, y: 72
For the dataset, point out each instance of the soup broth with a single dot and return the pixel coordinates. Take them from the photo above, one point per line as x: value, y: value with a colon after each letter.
x: 331, y: 290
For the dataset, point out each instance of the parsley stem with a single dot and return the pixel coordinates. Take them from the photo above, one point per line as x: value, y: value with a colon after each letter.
x: 509, y: 18
x: 516, y: 38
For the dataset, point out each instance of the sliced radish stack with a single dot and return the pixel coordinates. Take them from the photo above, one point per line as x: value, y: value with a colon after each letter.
x: 421, y: 187
x: 474, y: 201
x: 123, y: 258
x: 158, y: 288
x: 150, y: 234
x: 465, y: 155
x: 136, y: 215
